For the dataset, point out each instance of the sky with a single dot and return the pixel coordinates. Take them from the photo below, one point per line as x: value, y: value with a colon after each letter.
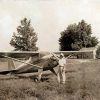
x: 48, y: 18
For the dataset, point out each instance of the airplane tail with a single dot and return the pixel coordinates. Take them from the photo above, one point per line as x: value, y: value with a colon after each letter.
x: 11, y: 65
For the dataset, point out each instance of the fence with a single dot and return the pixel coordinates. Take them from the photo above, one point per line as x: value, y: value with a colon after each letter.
x: 21, y: 54
x: 78, y: 54
x: 26, y: 54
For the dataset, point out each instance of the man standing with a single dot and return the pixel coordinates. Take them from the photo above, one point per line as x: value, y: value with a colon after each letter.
x: 61, y: 71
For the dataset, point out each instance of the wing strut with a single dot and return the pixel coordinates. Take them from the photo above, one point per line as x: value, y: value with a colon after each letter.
x: 53, y: 71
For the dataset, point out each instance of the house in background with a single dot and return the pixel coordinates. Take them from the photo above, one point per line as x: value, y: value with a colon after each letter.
x: 84, y: 53
x: 90, y: 52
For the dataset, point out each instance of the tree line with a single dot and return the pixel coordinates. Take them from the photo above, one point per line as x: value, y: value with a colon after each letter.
x: 77, y: 36
x: 74, y: 37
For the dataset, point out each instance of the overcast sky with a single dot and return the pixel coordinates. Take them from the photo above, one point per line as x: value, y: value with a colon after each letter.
x: 49, y: 18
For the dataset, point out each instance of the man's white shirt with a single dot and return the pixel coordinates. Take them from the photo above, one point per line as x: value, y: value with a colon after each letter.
x: 62, y: 62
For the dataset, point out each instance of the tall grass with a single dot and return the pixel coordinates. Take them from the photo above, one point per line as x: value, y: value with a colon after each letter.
x: 81, y: 84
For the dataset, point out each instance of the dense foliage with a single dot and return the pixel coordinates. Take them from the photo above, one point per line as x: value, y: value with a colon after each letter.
x: 25, y: 39
x: 77, y: 36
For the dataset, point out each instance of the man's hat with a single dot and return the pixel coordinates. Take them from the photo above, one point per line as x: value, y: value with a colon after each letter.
x: 61, y: 55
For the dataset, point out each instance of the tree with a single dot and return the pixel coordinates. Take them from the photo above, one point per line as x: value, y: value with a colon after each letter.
x: 25, y: 39
x: 77, y: 36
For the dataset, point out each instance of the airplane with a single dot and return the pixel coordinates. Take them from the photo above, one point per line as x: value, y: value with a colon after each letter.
x: 48, y: 62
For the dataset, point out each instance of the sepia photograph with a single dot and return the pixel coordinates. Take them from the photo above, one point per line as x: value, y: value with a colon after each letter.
x: 49, y: 50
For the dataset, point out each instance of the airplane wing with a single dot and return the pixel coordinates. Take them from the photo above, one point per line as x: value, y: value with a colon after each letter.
x: 5, y: 72
x: 21, y: 70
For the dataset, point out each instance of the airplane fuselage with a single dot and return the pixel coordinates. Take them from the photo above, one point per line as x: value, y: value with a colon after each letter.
x: 46, y: 64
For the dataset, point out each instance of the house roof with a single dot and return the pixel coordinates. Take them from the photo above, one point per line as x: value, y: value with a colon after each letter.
x: 87, y: 49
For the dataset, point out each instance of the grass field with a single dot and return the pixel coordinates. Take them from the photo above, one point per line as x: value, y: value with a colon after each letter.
x: 82, y: 83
